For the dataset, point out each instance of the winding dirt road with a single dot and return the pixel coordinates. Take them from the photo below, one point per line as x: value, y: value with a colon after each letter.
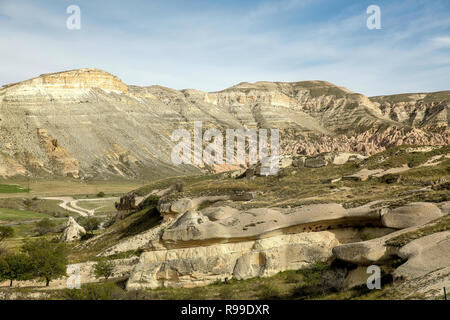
x: 69, y: 203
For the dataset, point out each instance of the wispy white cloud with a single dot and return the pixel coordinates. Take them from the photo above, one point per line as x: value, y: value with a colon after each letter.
x: 442, y: 41
x: 212, y: 49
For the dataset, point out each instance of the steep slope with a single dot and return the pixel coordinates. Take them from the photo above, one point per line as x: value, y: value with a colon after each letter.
x: 423, y: 110
x: 87, y: 123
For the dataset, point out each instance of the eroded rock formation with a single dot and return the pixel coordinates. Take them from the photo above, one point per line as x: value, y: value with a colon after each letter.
x: 103, y: 128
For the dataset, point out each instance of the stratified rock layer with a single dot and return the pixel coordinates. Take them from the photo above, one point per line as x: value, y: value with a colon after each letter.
x: 101, y: 128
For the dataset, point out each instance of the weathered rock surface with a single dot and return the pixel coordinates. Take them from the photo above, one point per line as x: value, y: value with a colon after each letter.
x: 195, y: 266
x: 87, y: 123
x: 412, y: 214
x: 425, y: 255
x: 366, y: 252
x: 73, y: 231
x: 186, y: 204
x: 226, y: 224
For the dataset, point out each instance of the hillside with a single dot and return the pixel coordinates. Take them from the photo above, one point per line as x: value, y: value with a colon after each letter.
x: 88, y: 124
x: 303, y: 233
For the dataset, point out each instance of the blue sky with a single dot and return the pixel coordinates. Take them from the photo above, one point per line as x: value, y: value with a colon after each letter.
x: 212, y: 45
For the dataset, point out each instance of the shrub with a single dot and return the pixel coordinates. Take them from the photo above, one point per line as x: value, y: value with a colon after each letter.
x: 45, y: 226
x: 268, y: 291
x: 390, y: 178
x: 90, y: 223
x: 6, y: 232
x: 104, y: 269
x: 150, y: 201
x: 101, y: 194
x: 314, y: 274
x: 95, y: 291
x: 109, y: 221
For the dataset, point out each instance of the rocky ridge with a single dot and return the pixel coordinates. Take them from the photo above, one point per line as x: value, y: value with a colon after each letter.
x: 88, y: 124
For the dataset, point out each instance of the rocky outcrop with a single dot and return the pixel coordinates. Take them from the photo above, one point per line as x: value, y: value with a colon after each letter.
x: 412, y: 214
x: 196, y: 266
x: 424, y: 255
x: 98, y: 127
x: 418, y: 109
x: 186, y: 204
x: 87, y: 78
x: 196, y: 227
x: 73, y: 231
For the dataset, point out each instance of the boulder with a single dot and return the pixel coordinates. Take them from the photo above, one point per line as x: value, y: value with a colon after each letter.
x: 365, y: 252
x: 445, y: 207
x: 226, y: 224
x: 195, y: 266
x: 315, y: 162
x: 362, y: 175
x: 73, y: 231
x: 181, y: 206
x: 299, y: 162
x: 412, y: 214
x: 425, y: 255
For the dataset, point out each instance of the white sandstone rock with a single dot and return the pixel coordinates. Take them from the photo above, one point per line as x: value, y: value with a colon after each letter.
x: 73, y: 231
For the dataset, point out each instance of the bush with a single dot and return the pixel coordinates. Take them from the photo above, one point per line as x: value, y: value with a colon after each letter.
x: 104, y: 269
x: 45, y: 226
x: 97, y: 291
x: 390, y: 178
x: 150, y: 201
x: 90, y: 223
x: 109, y: 221
x: 268, y: 291
x: 101, y: 194
x: 314, y: 274
x: 6, y: 232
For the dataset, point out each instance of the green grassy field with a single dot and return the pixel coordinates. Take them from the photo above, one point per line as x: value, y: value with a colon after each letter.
x: 8, y: 188
x: 100, y: 206
x: 70, y: 187
x: 12, y: 215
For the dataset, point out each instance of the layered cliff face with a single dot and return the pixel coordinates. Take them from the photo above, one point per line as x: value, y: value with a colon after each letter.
x: 88, y: 124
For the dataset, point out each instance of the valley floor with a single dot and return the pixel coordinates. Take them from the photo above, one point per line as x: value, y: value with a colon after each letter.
x: 423, y: 178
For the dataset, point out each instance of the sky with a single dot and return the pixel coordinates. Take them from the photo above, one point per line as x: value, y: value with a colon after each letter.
x: 212, y: 45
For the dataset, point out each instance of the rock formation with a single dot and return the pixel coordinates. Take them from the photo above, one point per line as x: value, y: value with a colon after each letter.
x: 73, y: 231
x: 88, y: 124
x: 197, y: 247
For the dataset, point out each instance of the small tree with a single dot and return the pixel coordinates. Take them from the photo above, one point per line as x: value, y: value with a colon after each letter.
x: 15, y: 266
x: 48, y: 258
x: 104, y: 268
x: 89, y: 224
x: 6, y: 232
x: 45, y: 226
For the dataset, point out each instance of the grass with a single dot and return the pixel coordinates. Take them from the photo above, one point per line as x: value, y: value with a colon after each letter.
x: 100, y: 206
x: 50, y: 207
x: 397, y: 156
x: 306, y: 283
x: 441, y: 224
x: 72, y: 187
x: 8, y: 188
x: 12, y: 215
x: 120, y: 230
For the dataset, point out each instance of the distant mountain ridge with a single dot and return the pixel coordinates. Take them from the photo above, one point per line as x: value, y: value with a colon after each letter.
x: 88, y: 124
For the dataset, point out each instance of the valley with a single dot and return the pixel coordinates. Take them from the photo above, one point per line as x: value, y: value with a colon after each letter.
x: 86, y: 168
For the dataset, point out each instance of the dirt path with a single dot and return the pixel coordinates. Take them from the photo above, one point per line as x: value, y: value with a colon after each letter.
x: 70, y: 204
